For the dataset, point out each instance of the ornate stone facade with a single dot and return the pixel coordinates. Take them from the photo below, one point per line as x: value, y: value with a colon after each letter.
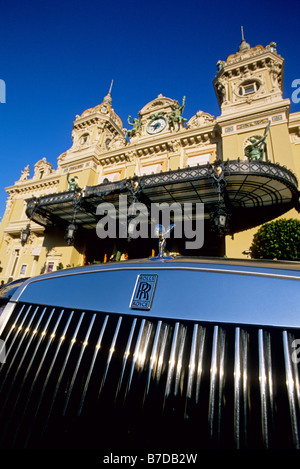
x: 158, y: 138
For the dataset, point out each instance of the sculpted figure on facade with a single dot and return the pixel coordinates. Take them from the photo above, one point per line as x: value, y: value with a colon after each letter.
x: 8, y: 240
x: 75, y: 139
x: 174, y: 146
x: 136, y: 127
x: 276, y: 73
x: 117, y: 142
x: 258, y: 147
x: 9, y: 203
x: 25, y: 174
x: 221, y: 90
x: 175, y: 117
x: 73, y: 182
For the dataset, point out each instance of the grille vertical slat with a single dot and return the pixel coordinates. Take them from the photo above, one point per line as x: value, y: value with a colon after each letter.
x: 266, y: 385
x: 172, y: 360
x: 180, y: 368
x: 86, y: 379
x: 200, y: 352
x: 241, y: 392
x: 154, y: 355
x: 192, y: 363
x: 216, y: 381
x: 292, y: 383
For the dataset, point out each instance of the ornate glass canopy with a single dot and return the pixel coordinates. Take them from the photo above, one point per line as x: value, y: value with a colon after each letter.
x: 251, y: 191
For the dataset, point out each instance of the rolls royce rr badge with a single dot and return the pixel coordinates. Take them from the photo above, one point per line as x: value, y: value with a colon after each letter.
x: 143, y: 291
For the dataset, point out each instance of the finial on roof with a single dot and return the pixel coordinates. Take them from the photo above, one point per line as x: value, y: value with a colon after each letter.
x: 108, y: 99
x: 243, y: 45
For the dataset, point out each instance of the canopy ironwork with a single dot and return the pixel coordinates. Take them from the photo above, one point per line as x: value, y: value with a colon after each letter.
x: 252, y: 192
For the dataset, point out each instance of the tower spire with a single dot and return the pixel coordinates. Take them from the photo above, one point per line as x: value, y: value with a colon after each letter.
x: 108, y: 99
x: 243, y: 45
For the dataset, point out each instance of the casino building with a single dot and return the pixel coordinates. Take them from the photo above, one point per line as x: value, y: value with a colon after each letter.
x: 242, y: 166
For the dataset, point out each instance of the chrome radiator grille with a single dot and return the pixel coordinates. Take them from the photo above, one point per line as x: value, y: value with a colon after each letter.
x: 99, y: 380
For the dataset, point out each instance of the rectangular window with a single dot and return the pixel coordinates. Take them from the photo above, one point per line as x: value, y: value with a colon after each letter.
x: 50, y: 267
x: 199, y: 159
x: 111, y: 177
x: 151, y: 169
x: 23, y: 270
x: 249, y: 88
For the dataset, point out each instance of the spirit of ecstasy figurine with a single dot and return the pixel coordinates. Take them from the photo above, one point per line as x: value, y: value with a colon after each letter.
x: 161, y: 233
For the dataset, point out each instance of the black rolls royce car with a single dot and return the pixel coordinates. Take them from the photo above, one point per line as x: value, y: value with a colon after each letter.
x: 163, y: 353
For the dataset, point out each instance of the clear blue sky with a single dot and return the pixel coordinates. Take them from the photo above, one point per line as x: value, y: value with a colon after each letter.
x: 58, y: 58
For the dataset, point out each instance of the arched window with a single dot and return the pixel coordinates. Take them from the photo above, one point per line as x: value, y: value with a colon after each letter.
x: 84, y: 139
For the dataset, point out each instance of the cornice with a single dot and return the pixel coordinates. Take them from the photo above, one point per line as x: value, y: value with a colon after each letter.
x: 96, y: 117
x: 294, y: 119
x: 15, y: 227
x: 257, y: 59
x: 30, y: 185
x: 83, y: 156
x: 254, y: 113
x: 165, y: 143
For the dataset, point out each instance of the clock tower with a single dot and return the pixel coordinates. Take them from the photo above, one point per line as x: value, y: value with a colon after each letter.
x: 157, y: 118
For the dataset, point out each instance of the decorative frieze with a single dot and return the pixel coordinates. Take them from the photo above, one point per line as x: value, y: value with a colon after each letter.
x: 251, y: 124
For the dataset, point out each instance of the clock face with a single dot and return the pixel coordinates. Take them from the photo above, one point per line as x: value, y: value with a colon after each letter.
x: 156, y: 125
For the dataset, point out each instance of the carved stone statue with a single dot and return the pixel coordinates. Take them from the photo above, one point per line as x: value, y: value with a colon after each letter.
x: 136, y: 126
x: 117, y: 142
x: 175, y: 116
x: 73, y: 182
x: 257, y: 148
x: 25, y: 173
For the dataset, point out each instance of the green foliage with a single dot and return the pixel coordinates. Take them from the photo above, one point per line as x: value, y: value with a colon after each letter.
x: 278, y: 239
x: 60, y: 266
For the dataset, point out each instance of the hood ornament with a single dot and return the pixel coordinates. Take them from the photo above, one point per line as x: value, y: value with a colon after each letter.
x: 161, y: 233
